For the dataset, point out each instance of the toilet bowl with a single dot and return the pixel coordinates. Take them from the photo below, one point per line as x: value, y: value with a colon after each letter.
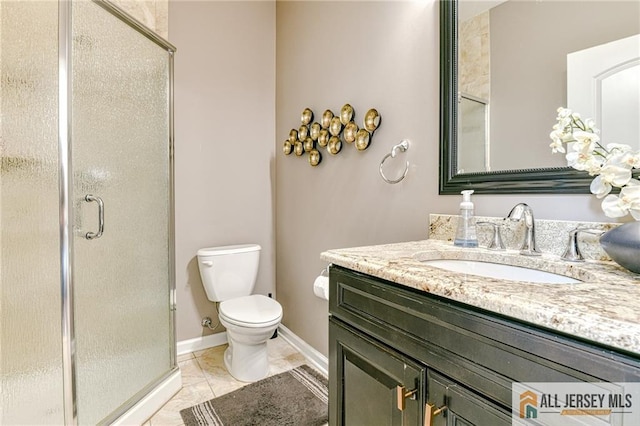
x: 228, y: 274
x: 250, y: 321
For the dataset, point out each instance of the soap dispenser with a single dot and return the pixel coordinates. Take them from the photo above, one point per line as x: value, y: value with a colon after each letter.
x: 466, y: 232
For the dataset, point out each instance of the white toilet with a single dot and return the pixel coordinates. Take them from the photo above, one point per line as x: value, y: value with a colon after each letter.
x: 229, y: 275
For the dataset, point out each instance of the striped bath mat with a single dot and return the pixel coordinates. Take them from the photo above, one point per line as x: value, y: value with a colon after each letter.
x: 296, y: 397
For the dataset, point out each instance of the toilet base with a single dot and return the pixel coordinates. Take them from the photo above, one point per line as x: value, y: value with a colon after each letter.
x: 247, y: 363
x: 246, y: 358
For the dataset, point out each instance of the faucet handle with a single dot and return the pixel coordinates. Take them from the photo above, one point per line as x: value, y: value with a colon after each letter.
x: 572, y: 252
x: 496, y: 240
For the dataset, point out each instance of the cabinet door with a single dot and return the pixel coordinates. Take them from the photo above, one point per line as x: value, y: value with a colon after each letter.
x: 463, y: 407
x: 370, y: 384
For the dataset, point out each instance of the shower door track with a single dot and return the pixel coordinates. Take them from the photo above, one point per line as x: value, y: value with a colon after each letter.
x: 66, y: 218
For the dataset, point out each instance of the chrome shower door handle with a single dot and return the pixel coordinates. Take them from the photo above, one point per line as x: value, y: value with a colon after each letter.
x: 93, y: 235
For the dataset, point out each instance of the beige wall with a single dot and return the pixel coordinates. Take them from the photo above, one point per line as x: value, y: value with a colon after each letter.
x: 224, y: 148
x: 152, y: 13
x: 370, y: 54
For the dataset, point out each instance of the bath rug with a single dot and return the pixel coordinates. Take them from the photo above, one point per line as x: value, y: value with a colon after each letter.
x: 296, y: 397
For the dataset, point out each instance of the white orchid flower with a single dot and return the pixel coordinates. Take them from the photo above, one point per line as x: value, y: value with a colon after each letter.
x: 630, y: 160
x: 585, y: 141
x: 612, y: 166
x: 599, y: 187
x: 627, y: 202
x: 563, y: 112
x: 593, y: 167
x: 556, y: 133
x: 615, y: 175
x: 565, y: 124
x: 564, y: 117
x: 583, y: 161
x: 613, y: 206
x: 630, y: 195
x: 590, y: 125
x: 557, y: 137
x: 610, y: 175
x: 633, y: 160
x: 576, y: 159
x: 557, y: 146
x: 627, y: 159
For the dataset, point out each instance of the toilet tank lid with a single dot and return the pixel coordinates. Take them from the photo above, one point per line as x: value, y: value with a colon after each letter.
x: 238, y: 248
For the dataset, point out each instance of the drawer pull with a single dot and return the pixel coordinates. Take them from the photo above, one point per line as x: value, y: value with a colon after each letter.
x: 430, y: 411
x: 402, y: 394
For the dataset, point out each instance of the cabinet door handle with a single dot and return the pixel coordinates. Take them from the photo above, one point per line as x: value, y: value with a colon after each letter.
x: 402, y: 394
x: 430, y: 411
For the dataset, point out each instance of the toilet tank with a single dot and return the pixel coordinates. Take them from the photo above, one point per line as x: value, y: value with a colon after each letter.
x: 228, y: 272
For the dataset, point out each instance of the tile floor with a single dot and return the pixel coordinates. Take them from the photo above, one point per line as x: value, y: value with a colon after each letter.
x: 204, y: 377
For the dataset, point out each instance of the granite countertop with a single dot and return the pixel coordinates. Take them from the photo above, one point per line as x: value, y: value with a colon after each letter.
x: 604, y: 307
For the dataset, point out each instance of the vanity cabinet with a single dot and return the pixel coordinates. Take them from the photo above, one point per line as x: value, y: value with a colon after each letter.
x: 399, y: 356
x: 378, y: 385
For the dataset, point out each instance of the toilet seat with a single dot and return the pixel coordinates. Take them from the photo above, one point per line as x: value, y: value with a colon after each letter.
x: 251, y: 311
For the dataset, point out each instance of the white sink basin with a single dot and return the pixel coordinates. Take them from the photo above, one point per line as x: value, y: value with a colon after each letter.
x: 500, y: 271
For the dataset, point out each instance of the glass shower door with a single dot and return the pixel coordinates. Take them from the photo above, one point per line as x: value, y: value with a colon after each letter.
x: 30, y: 359
x: 121, y: 196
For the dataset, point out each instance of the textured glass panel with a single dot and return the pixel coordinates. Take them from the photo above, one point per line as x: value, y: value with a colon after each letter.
x: 30, y: 339
x: 120, y: 154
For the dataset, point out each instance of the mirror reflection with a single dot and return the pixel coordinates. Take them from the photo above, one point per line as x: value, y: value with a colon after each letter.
x: 519, y: 60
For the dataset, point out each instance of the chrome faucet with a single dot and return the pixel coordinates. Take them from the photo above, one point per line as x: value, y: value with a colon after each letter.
x: 522, y: 211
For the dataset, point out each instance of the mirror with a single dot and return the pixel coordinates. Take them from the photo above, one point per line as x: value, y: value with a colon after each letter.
x: 506, y: 66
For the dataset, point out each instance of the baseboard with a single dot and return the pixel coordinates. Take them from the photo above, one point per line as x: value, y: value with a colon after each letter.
x: 201, y: 343
x: 318, y: 360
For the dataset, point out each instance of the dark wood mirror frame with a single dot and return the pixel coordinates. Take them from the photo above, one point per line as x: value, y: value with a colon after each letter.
x: 543, y: 181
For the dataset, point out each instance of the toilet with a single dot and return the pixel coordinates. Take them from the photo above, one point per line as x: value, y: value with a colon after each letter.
x: 229, y: 275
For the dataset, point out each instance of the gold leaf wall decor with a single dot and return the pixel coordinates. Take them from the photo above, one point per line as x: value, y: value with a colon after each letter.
x: 330, y: 132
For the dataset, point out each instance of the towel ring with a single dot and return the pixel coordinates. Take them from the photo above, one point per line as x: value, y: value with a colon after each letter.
x: 402, y: 147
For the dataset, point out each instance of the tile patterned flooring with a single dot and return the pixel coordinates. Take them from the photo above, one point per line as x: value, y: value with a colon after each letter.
x: 204, y: 377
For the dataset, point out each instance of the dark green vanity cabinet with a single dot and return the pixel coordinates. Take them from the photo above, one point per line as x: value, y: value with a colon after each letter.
x: 372, y: 377
x: 398, y: 356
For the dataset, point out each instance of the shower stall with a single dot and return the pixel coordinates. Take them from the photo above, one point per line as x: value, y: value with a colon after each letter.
x: 86, y: 217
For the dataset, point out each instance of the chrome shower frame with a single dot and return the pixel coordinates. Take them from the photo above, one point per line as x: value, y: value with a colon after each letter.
x: 65, y: 205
